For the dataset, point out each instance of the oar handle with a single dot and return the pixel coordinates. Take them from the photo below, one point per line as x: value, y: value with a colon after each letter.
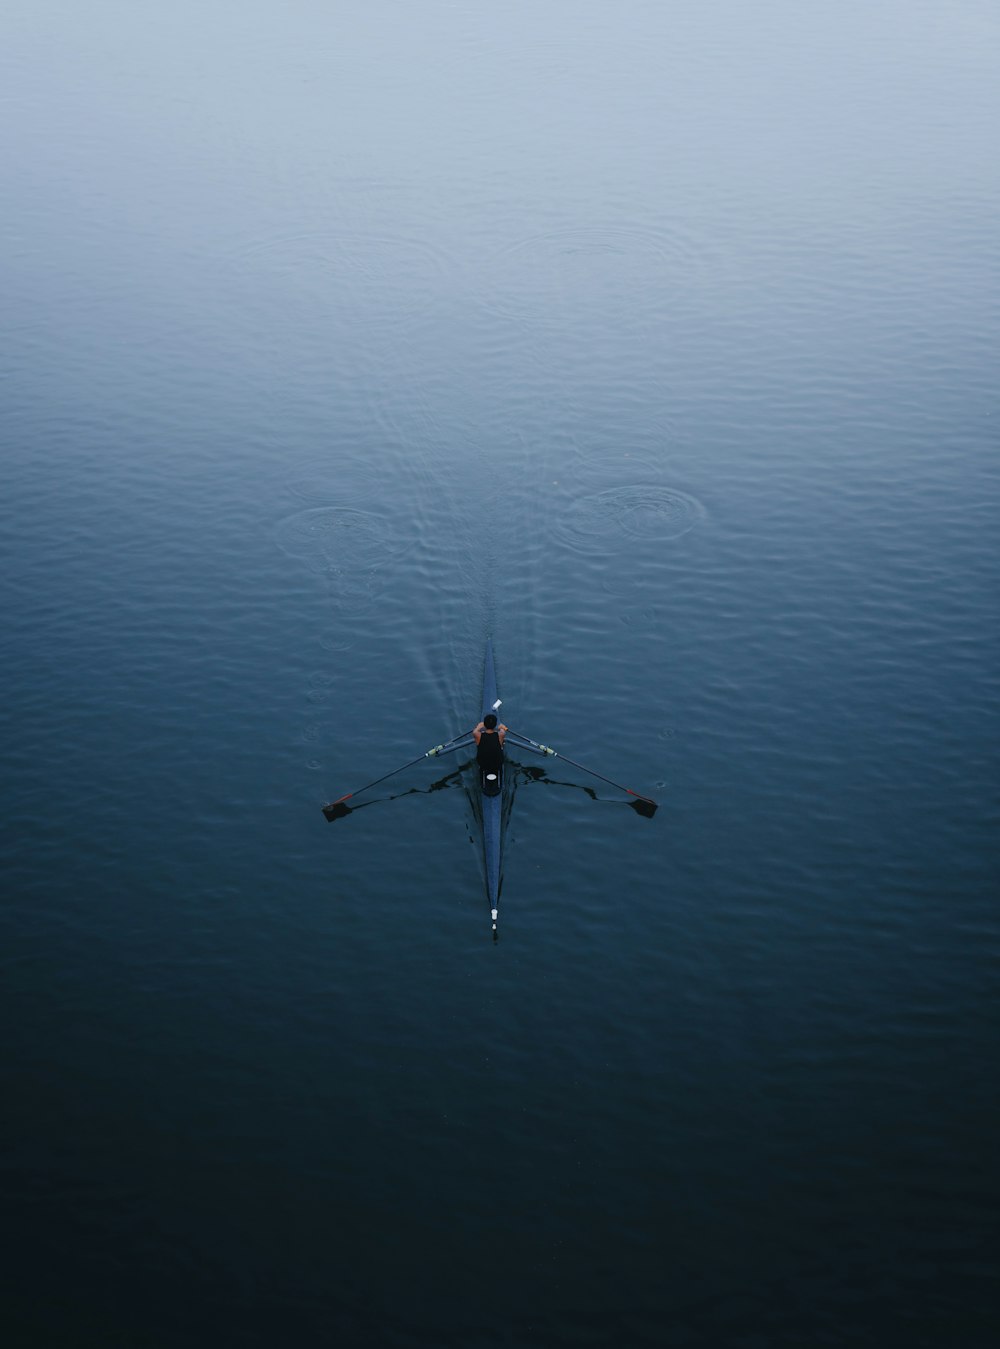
x: 464, y: 739
x: 526, y: 740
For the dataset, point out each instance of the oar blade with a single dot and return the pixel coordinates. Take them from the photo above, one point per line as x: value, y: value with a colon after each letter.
x: 336, y: 811
x: 644, y: 807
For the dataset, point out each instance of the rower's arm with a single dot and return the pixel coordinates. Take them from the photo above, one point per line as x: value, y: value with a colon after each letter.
x: 477, y: 732
x: 501, y: 732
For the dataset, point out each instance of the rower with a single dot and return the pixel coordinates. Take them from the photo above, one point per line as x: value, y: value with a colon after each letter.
x: 489, y: 737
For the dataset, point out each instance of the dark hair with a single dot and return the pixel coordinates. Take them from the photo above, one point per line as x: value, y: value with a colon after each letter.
x: 489, y: 721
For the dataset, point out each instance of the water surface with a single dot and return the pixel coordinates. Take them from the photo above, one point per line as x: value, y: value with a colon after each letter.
x: 657, y: 342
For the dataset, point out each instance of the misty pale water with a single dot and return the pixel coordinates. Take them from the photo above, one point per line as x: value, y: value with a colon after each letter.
x: 657, y: 342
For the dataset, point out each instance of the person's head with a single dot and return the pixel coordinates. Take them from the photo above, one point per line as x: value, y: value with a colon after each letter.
x: 489, y: 721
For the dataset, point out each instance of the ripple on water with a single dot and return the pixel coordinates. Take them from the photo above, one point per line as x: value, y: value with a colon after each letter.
x: 396, y: 274
x: 615, y: 267
x: 598, y: 519
x: 336, y: 541
x: 351, y: 479
x: 337, y: 639
x: 352, y: 550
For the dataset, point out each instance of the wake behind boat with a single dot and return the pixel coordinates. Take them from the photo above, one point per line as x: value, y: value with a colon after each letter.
x: 490, y: 785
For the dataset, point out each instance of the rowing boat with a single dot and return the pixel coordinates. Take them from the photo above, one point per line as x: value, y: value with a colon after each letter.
x: 490, y: 784
x: 491, y: 792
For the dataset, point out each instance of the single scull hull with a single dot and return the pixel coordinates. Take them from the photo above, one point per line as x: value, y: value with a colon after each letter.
x: 492, y: 805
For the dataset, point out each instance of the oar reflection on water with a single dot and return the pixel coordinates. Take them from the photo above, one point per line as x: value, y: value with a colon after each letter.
x: 337, y: 810
x: 522, y: 775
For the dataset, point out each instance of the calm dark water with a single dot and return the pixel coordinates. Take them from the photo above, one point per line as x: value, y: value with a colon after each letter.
x: 658, y: 342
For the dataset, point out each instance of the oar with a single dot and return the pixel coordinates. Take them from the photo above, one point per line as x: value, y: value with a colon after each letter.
x: 643, y: 805
x: 336, y: 810
x: 340, y: 809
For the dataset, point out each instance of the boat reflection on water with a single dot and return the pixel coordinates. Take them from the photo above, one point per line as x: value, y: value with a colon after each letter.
x: 517, y: 774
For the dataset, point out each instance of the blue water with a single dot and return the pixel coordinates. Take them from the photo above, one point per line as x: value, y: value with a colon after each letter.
x: 657, y: 342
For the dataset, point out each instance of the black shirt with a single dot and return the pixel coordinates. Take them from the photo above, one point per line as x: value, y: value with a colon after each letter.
x: 489, y: 751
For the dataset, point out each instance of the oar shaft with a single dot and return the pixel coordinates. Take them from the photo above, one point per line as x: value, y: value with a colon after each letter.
x: 436, y: 752
x: 384, y: 778
x: 547, y: 749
